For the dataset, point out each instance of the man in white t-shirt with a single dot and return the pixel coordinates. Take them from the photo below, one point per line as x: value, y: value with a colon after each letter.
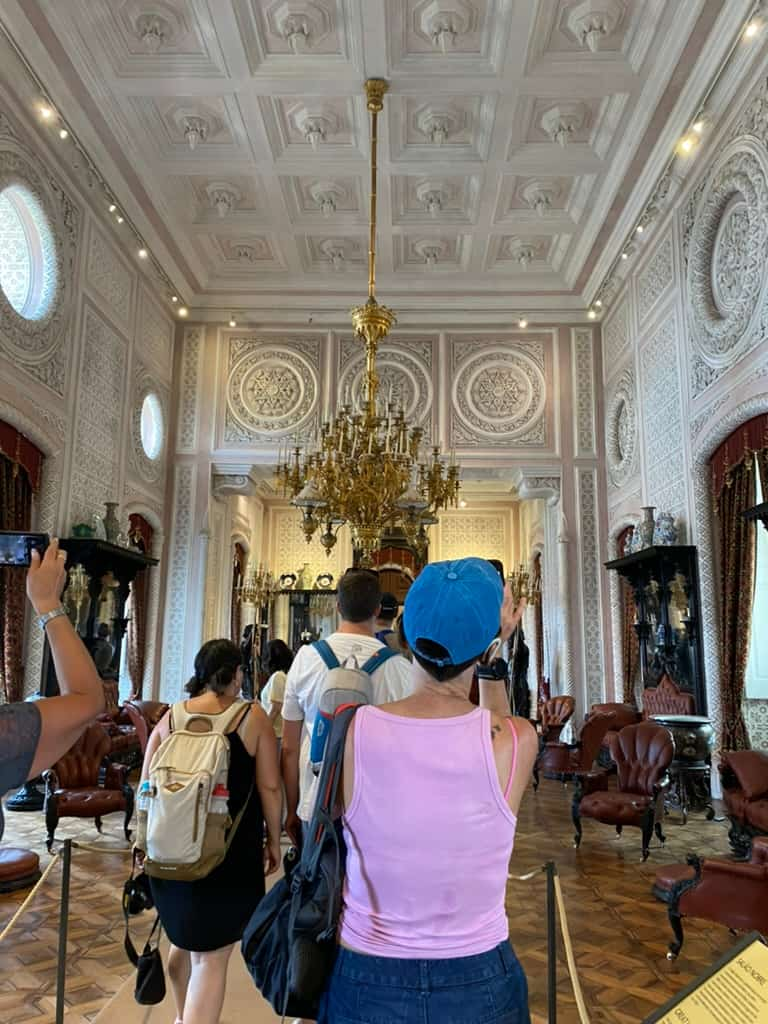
x: 358, y: 602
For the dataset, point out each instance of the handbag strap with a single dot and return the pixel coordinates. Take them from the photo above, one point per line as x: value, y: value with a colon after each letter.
x: 130, y: 949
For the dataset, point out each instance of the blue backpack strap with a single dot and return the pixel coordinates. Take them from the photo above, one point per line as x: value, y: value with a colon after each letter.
x: 377, y: 660
x: 325, y: 651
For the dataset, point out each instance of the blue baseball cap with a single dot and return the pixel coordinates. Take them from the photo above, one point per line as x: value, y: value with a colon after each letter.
x: 455, y: 604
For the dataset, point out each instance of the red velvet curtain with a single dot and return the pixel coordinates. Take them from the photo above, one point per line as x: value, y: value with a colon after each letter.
x: 736, y: 537
x: 20, y: 468
x: 141, y: 533
x: 747, y: 440
x: 238, y: 572
x: 630, y: 646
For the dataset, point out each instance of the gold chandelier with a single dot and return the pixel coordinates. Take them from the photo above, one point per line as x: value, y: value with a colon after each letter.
x: 368, y: 469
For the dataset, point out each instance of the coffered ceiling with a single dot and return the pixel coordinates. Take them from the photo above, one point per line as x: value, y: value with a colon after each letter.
x: 238, y: 128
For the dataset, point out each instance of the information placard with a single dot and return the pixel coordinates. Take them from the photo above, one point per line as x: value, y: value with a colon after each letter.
x: 733, y: 991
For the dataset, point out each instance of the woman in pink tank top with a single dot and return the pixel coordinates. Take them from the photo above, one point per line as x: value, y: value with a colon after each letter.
x: 432, y: 785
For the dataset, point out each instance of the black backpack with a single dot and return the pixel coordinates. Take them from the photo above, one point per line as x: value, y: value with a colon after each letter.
x: 289, y: 945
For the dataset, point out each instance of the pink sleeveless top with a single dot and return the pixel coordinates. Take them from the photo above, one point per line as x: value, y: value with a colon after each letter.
x: 429, y: 835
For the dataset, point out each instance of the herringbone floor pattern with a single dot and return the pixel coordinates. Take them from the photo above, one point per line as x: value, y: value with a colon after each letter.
x: 619, y: 931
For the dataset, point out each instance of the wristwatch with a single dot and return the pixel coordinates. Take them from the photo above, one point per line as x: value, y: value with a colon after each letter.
x: 47, y: 617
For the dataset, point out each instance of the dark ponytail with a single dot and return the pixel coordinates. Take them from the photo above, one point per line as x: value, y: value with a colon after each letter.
x: 216, y: 663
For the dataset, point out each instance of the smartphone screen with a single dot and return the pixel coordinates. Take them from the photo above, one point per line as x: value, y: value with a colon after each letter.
x: 16, y: 548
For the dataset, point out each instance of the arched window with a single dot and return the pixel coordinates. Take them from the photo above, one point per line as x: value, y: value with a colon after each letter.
x: 28, y: 275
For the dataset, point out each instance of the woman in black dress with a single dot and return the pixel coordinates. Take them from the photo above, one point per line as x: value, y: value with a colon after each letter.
x: 205, y: 919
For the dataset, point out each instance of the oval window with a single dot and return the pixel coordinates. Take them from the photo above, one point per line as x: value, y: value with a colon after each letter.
x: 152, y: 426
x: 27, y: 253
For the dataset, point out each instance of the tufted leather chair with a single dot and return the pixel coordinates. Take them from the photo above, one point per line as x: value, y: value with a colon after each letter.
x: 667, y: 699
x: 566, y: 761
x: 642, y: 754
x: 72, y: 788
x: 744, y: 777
x: 621, y: 716
x: 144, y: 716
x: 124, y: 745
x: 733, y: 894
x: 554, y: 714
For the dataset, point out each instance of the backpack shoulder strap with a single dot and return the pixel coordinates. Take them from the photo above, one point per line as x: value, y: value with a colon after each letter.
x: 236, y: 712
x: 325, y: 651
x: 378, y: 659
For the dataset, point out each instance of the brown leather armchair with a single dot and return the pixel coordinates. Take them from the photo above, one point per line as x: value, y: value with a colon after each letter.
x: 124, y: 742
x: 729, y: 892
x: 621, y: 716
x: 144, y: 716
x: 642, y: 754
x: 554, y: 714
x: 744, y: 777
x: 72, y: 788
x: 566, y: 761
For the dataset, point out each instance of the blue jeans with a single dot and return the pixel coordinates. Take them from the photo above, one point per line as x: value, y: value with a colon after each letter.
x: 486, y: 989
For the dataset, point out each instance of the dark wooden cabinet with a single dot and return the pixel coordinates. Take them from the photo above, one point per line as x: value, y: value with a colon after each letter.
x: 665, y: 585
x: 108, y: 566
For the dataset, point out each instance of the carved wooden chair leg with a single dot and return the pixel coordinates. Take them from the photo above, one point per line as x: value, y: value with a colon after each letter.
x: 647, y: 827
x: 619, y: 830
x: 576, y: 817
x: 51, y: 820
x: 677, y: 927
x: 128, y: 793
x: 97, y: 820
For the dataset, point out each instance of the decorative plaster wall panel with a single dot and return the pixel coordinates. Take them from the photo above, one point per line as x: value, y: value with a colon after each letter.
x: 615, y: 336
x: 175, y: 656
x: 191, y: 360
x: 110, y: 279
x: 96, y: 457
x: 463, y: 535
x: 661, y: 406
x: 273, y: 387
x: 404, y: 368
x: 584, y: 388
x: 756, y: 714
x: 656, y: 279
x: 589, y: 555
x: 155, y: 335
x: 213, y: 581
x: 290, y: 550
x: 499, y: 393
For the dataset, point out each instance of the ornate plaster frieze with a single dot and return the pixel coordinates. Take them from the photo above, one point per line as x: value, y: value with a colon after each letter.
x: 175, y: 657
x: 589, y: 554
x: 272, y: 387
x: 584, y: 387
x: 192, y: 351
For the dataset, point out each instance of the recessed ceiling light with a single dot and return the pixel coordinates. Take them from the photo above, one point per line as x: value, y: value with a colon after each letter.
x: 639, y: 229
x: 63, y: 133
x: 522, y: 322
x: 462, y: 504
x: 592, y: 314
x: 183, y: 311
x: 143, y: 254
x: 625, y: 255
x: 119, y: 219
x: 45, y: 112
x: 686, y: 144
x: 752, y: 29
x: 698, y: 127
x: 232, y: 322
x: 599, y: 303
x: 112, y: 207
x: 174, y: 298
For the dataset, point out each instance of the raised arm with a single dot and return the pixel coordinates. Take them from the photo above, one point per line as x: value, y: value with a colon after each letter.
x: 62, y: 719
x: 268, y: 785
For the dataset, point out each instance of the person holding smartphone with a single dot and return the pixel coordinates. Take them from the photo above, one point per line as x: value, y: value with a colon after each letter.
x: 33, y: 736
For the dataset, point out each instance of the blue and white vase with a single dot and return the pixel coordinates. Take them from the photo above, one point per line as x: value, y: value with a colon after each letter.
x: 665, y: 531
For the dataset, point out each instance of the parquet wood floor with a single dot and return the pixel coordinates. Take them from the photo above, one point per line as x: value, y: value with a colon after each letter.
x: 619, y: 932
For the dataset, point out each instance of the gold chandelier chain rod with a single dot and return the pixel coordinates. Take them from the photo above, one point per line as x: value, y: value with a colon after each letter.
x: 372, y: 237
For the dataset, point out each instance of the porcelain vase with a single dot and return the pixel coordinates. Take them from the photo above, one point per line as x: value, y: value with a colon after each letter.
x: 646, y: 527
x: 111, y: 522
x: 665, y: 531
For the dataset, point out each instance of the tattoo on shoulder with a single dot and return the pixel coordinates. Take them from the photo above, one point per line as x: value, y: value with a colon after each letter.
x: 495, y: 730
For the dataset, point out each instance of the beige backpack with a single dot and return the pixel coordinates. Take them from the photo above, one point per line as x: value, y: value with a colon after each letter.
x: 184, y: 825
